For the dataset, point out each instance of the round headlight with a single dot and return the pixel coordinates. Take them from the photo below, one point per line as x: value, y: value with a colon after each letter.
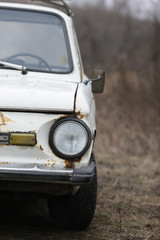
x: 70, y: 138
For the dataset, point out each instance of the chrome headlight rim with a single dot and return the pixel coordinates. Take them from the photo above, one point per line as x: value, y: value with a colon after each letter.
x: 51, y: 135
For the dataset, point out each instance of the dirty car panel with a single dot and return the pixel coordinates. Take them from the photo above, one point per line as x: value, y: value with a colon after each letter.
x: 30, y: 124
x: 47, y: 112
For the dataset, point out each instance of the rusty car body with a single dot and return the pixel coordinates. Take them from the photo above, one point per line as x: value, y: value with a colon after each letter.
x: 47, y: 111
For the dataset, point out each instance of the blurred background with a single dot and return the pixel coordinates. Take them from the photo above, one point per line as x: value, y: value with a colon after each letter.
x: 123, y: 37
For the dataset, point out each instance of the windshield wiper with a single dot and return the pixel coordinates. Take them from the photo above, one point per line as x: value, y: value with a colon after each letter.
x: 14, y: 66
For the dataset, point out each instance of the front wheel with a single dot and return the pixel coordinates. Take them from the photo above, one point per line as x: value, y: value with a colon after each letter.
x: 74, y: 211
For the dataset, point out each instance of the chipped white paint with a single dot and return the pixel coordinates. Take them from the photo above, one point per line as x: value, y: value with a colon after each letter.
x: 42, y: 92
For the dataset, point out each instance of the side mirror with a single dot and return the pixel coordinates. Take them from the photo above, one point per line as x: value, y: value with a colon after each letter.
x: 98, y: 81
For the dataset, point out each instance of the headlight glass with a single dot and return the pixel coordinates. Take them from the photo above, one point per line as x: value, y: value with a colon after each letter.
x: 70, y: 138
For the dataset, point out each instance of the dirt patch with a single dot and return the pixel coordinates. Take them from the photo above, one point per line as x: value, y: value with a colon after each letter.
x: 128, y: 205
x: 129, y: 196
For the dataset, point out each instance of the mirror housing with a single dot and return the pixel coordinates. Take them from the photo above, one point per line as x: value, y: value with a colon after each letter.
x: 98, y: 81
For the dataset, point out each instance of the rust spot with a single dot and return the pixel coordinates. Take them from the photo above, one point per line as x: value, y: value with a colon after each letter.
x: 64, y: 116
x: 8, y: 119
x: 4, y: 163
x: 40, y: 147
x: 49, y: 163
x: 71, y: 163
x: 46, y: 164
x: 68, y: 163
x: 4, y: 120
x: 77, y: 160
x: 53, y: 164
x: 79, y: 115
x: 76, y: 115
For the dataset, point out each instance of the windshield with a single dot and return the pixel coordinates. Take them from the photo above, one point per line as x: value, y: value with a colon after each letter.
x: 35, y: 40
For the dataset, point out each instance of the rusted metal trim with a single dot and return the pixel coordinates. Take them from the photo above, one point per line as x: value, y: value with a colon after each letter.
x: 75, y: 177
x: 69, y: 164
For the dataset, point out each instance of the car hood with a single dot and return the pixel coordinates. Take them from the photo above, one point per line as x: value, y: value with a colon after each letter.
x: 36, y: 95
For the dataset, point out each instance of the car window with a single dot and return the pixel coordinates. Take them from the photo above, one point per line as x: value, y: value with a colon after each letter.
x: 35, y: 40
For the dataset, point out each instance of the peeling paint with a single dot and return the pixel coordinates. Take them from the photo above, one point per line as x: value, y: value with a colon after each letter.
x: 79, y: 115
x: 75, y: 115
x: 4, y: 120
x: 53, y: 162
x: 78, y: 160
x: 40, y: 147
x: 68, y: 163
x: 49, y: 163
x: 66, y: 97
x: 46, y: 164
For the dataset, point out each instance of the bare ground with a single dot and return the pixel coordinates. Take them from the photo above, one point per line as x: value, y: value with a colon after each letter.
x: 128, y: 205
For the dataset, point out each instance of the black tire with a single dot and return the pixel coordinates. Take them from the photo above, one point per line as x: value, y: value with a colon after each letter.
x: 74, y: 211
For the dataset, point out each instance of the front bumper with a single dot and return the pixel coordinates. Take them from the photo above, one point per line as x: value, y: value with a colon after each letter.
x: 75, y: 177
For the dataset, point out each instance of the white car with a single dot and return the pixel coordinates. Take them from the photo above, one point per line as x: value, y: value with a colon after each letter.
x: 47, y: 111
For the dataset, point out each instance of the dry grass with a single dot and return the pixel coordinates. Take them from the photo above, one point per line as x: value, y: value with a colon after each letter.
x: 130, y: 187
x: 128, y: 117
